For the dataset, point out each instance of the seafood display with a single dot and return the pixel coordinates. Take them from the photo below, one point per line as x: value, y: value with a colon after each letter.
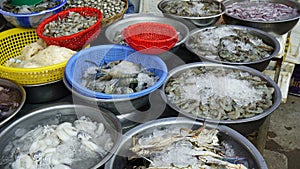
x: 38, y: 54
x: 182, y: 148
x: 69, y: 25
x: 64, y: 145
x: 25, y: 9
x: 262, y: 11
x: 229, y: 44
x: 118, y: 77
x: 9, y: 101
x: 195, y: 8
x: 109, y: 8
x: 219, y: 93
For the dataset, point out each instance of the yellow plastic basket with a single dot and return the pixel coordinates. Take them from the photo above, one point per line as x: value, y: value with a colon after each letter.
x: 12, y: 42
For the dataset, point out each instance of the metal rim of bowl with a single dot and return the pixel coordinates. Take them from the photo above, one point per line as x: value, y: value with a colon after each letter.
x: 41, y: 84
x: 107, y: 114
x: 147, y: 18
x: 123, y: 117
x: 275, y: 105
x: 22, y: 91
x: 285, y: 2
x: 249, y: 30
x: 182, y: 120
x: 161, y: 3
x: 62, y: 3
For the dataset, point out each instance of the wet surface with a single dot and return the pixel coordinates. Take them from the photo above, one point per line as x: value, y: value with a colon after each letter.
x: 282, y: 148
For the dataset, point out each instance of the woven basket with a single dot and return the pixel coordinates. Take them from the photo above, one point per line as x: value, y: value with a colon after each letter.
x: 12, y: 42
x: 108, y: 21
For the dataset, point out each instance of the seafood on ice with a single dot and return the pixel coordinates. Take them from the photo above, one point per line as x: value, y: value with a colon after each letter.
x: 181, y: 148
x: 229, y: 44
x: 195, y: 8
x: 65, y: 145
x: 118, y: 77
x: 219, y: 93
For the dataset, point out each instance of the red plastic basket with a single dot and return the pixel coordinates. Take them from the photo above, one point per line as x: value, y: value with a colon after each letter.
x: 78, y: 40
x: 150, y: 37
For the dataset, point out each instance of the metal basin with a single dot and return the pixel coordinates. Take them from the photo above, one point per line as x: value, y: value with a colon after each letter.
x: 22, y: 97
x: 258, y: 64
x: 198, y: 21
x: 130, y: 20
x: 63, y: 113
x: 277, y: 27
x: 41, y: 93
x: 240, y: 145
x: 244, y: 125
x: 130, y: 112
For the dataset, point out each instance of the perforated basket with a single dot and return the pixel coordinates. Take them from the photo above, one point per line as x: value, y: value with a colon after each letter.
x: 12, y: 42
x: 102, y: 54
x: 74, y: 41
x: 151, y: 37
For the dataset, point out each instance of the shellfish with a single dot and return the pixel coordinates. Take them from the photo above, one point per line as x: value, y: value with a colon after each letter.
x: 229, y: 44
x: 174, y: 148
x: 118, y: 77
x: 219, y: 93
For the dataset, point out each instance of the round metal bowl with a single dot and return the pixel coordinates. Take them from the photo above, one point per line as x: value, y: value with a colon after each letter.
x: 46, y: 92
x: 22, y: 97
x: 64, y: 113
x: 239, y: 144
x: 258, y: 65
x: 198, y: 21
x: 277, y: 27
x: 244, y: 126
x: 130, y: 111
x: 117, y: 27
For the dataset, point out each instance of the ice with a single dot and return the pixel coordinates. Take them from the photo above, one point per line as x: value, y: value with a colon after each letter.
x: 179, y: 155
x: 210, y: 85
x: 54, y: 151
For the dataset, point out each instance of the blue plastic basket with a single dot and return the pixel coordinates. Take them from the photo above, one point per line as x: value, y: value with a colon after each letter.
x: 31, y: 20
x: 78, y: 64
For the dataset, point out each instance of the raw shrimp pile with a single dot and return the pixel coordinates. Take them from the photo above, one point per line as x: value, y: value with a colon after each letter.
x: 118, y: 77
x: 219, y: 93
x: 229, y: 44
